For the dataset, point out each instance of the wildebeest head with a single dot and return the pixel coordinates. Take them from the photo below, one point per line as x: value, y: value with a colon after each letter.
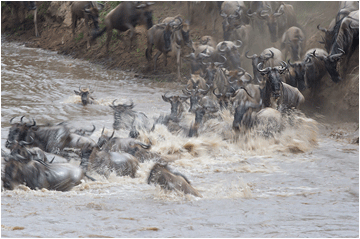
x: 145, y: 17
x: 230, y: 22
x: 177, y: 107
x: 271, y: 21
x: 18, y: 131
x: 121, y: 107
x: 331, y: 63
x: 230, y: 49
x: 195, y: 96
x: 83, y: 132
x: 185, y: 32
x: 242, y: 115
x: 273, y: 77
x: 84, y: 93
x: 103, y: 139
x: 296, y: 74
x: 255, y: 60
x: 12, y: 176
x: 92, y: 10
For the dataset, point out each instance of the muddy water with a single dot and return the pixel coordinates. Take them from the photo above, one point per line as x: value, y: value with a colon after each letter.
x: 298, y: 184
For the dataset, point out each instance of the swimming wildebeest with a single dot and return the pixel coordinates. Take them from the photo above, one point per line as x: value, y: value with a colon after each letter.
x: 162, y: 175
x: 37, y: 174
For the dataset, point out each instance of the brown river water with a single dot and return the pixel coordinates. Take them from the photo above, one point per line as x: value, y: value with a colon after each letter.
x: 297, y: 184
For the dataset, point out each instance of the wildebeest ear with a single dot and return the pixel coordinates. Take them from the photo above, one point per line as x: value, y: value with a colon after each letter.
x: 77, y: 92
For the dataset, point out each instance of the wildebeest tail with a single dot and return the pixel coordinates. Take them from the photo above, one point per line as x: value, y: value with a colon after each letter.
x: 97, y: 34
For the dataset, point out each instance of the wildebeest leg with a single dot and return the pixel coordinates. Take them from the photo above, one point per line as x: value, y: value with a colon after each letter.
x: 155, y: 58
x: 35, y: 22
x: 178, y: 61
x: 108, y: 39
x: 132, y: 34
x: 87, y: 31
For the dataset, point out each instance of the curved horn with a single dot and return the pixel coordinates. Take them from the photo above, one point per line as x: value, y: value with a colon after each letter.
x: 335, y: 57
x: 264, y: 14
x: 204, y: 92
x: 165, y: 98
x: 112, y: 135
x: 12, y: 119
x: 266, y: 70
x: 249, y: 14
x: 217, y: 95
x: 291, y: 64
x: 114, y: 102
x: 284, y: 66
x: 34, y: 123
x: 240, y: 44
x: 221, y: 47
x: 220, y: 63
x: 250, y: 57
x: 21, y: 119
x: 27, y: 143
x: 321, y: 28
x: 102, y: 132
x: 249, y: 77
x: 242, y: 71
x: 52, y: 160
x: 267, y: 56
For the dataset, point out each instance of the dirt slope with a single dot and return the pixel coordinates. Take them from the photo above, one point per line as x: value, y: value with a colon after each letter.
x: 334, y: 101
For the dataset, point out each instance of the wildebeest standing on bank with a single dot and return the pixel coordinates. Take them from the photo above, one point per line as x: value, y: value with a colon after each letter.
x: 162, y: 175
x: 293, y: 40
x: 89, y: 11
x: 21, y: 8
x: 127, y: 15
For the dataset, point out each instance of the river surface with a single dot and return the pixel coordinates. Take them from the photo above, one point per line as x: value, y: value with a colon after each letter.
x: 298, y: 184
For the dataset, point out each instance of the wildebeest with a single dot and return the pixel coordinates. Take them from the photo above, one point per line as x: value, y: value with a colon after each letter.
x: 104, y: 162
x: 126, y: 118
x: 230, y: 50
x: 89, y: 11
x: 179, y: 38
x: 345, y: 8
x: 116, y: 144
x: 37, y: 174
x: 295, y: 76
x: 293, y: 40
x: 246, y: 34
x: 277, y: 94
x: 162, y: 175
x: 279, y: 20
x: 269, y: 57
x: 21, y: 8
x: 29, y: 154
x: 85, y: 132
x: 126, y: 16
x: 176, y: 102
x: 234, y: 15
x: 159, y: 36
x: 85, y: 94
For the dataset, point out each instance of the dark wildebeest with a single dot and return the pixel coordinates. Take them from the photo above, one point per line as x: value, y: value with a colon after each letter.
x: 162, y: 175
x: 234, y: 15
x: 84, y: 93
x: 344, y: 43
x: 28, y: 153
x: 277, y: 94
x: 90, y: 12
x: 230, y: 50
x: 104, y: 162
x: 49, y: 138
x: 21, y: 8
x: 270, y: 57
x: 126, y: 118
x: 179, y: 38
x: 279, y: 20
x: 116, y: 144
x: 37, y: 174
x: 159, y: 36
x: 293, y: 40
x: 126, y: 16
x: 246, y: 116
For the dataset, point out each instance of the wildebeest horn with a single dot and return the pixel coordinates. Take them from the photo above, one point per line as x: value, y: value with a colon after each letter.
x: 323, y: 40
x: 114, y: 102
x: 204, y: 92
x: 266, y: 70
x: 141, y: 5
x: 284, y: 66
x: 221, y: 47
x: 112, y: 135
x: 335, y: 57
x: 34, y: 123
x: 18, y: 156
x: 224, y: 15
x: 102, y: 132
x: 249, y: 77
x: 291, y: 64
x: 52, y: 159
x: 321, y: 28
x: 240, y: 43
x: 242, y: 71
x: 165, y: 98
x: 269, y: 56
x: 27, y: 143
x: 217, y: 95
x: 12, y: 119
x: 250, y: 57
x: 264, y: 13
x: 220, y: 63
